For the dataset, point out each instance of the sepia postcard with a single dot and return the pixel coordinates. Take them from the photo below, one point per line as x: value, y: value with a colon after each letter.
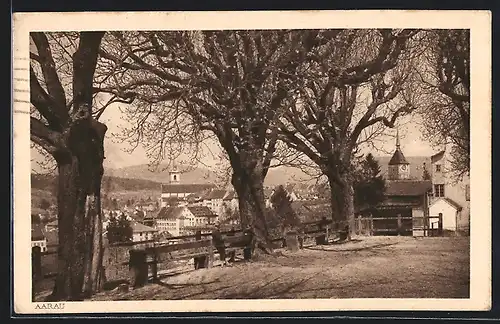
x: 251, y: 161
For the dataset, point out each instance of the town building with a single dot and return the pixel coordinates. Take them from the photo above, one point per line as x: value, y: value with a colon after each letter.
x: 184, y: 220
x: 178, y: 190
x: 38, y: 238
x: 214, y: 200
x: 141, y: 232
x: 172, y: 219
x: 451, y: 196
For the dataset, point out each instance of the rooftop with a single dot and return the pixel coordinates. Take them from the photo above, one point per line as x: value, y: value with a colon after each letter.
x: 451, y: 202
x: 185, y: 188
x: 170, y: 212
x: 215, y: 194
x: 407, y: 187
x: 398, y: 158
x: 201, y: 211
x: 437, y: 156
x: 138, y: 228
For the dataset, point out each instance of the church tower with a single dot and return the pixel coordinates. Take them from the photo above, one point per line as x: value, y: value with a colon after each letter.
x: 175, y: 175
x: 399, y: 168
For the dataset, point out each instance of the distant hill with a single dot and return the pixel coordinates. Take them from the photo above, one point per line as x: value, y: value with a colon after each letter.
x: 282, y: 175
x: 139, y: 177
x: 143, y: 172
x: 48, y: 182
x: 275, y: 176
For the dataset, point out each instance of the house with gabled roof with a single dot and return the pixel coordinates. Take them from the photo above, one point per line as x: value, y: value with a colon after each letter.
x: 179, y: 220
x: 141, y: 232
x: 451, y: 195
x: 172, y: 219
x: 450, y: 211
x: 203, y: 215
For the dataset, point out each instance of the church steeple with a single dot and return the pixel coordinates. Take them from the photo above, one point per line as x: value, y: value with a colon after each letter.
x: 399, y: 168
x: 174, y: 174
x: 398, y: 146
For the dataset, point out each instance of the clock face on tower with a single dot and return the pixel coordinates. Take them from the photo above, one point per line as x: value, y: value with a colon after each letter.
x: 403, y: 167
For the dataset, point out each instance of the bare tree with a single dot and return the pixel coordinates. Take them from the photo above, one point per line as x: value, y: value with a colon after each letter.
x: 445, y: 77
x: 230, y: 84
x: 63, y: 125
x: 353, y: 88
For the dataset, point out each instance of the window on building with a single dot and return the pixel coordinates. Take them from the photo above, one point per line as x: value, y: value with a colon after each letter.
x: 439, y: 190
x: 438, y: 167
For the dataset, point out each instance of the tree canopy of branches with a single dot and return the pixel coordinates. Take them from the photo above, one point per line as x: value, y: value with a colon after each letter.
x: 228, y: 84
x: 119, y: 229
x: 354, y: 85
x: 445, y: 75
x: 369, y: 184
x: 62, y: 67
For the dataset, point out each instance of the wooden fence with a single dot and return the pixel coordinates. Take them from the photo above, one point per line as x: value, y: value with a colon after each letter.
x: 143, y: 256
x: 416, y: 226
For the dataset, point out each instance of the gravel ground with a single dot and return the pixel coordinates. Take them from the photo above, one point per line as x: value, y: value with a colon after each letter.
x: 368, y: 267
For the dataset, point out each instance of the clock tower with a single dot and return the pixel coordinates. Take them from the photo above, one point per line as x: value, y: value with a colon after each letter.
x: 399, y: 168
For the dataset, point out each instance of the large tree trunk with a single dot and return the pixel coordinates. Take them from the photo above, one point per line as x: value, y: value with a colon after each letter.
x: 249, y: 185
x: 79, y: 213
x: 342, y: 201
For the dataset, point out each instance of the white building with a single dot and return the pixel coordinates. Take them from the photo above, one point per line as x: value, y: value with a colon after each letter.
x: 450, y: 211
x: 181, y: 220
x: 142, y: 232
x: 173, y: 219
x: 38, y: 238
x: 451, y: 196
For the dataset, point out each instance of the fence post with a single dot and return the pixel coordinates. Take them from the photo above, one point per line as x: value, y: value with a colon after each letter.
x: 371, y: 224
x: 292, y: 242
x: 399, y: 224
x: 138, y: 268
x: 210, y: 259
x: 440, y: 224
x: 36, y: 268
x: 359, y: 229
x: 36, y: 262
x: 154, y: 265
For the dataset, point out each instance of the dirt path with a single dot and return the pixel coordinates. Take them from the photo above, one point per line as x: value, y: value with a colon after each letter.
x: 374, y: 267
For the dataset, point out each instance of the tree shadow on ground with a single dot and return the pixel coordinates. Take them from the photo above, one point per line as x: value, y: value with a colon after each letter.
x: 322, y: 248
x: 261, y: 292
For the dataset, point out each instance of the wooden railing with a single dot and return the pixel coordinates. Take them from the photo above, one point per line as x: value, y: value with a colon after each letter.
x: 197, y: 247
x: 142, y: 260
x: 418, y: 225
x: 201, y: 247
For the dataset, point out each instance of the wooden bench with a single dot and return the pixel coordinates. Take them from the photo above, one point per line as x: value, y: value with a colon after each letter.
x: 238, y: 240
x: 319, y: 231
x: 141, y: 260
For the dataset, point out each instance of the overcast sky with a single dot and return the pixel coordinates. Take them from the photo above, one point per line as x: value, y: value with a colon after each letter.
x: 116, y: 157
